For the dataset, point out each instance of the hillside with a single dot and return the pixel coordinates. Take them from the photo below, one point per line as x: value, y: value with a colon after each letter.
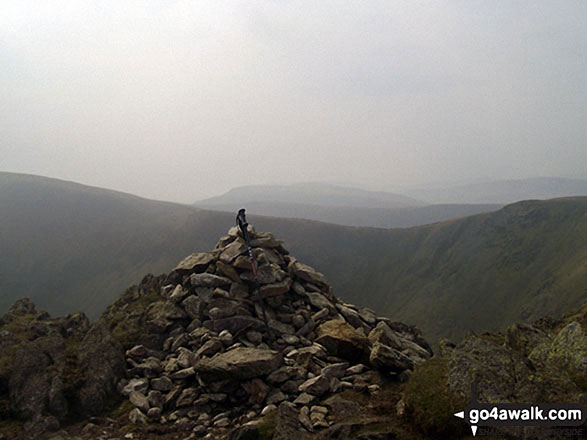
x: 404, y: 217
x: 70, y: 247
x: 502, y: 191
x: 319, y: 194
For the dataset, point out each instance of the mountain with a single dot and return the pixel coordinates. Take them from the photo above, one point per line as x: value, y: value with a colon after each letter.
x: 71, y: 247
x: 502, y: 192
x: 362, y: 216
x: 318, y: 194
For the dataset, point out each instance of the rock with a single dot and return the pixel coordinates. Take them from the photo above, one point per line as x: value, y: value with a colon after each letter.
x: 568, y: 350
x: 229, y: 271
x: 389, y: 359
x: 337, y: 370
x: 342, y: 340
x: 239, y: 363
x: 34, y: 386
x: 161, y: 384
x: 210, y: 348
x: 276, y: 396
x: 304, y: 399
x: 316, y: 386
x: 208, y: 280
x: 304, y: 418
x: 141, y: 385
x: 155, y: 399
x: 139, y: 400
x: 235, y: 324
x: 257, y: 390
x: 183, y: 374
x: 195, y: 262
x: 268, y: 409
x: 137, y: 417
x: 232, y: 251
x: 270, y: 290
x: 368, y: 315
x: 178, y: 294
x: 193, y: 306
x: 307, y: 273
x: 288, y: 425
x: 226, y: 337
x: 186, y: 397
x: 245, y: 432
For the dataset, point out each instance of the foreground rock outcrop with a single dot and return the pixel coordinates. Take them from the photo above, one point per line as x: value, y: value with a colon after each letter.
x: 207, y: 363
x: 53, y: 369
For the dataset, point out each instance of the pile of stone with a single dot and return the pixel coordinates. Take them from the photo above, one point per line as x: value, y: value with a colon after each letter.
x: 218, y: 366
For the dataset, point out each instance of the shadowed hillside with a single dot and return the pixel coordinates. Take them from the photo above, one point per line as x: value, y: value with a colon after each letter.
x: 72, y: 247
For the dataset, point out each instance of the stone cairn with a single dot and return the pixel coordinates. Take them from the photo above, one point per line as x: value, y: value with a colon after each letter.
x: 218, y: 368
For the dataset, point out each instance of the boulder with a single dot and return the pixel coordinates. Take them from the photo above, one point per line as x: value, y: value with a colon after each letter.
x: 240, y: 363
x: 101, y: 358
x: 195, y: 262
x: 342, y: 340
x: 389, y: 359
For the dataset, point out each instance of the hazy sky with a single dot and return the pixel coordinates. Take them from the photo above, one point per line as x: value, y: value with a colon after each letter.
x: 180, y: 100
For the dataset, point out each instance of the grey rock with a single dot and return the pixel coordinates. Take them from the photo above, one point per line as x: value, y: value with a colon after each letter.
x: 195, y: 262
x: 137, y: 417
x: 389, y: 359
x: 239, y: 363
x: 161, y: 384
x: 316, y: 386
x: 139, y: 400
x: 208, y: 280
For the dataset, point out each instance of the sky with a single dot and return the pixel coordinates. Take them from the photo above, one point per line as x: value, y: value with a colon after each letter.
x: 181, y: 100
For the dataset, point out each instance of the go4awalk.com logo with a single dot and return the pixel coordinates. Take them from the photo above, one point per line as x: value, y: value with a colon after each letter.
x: 522, y: 414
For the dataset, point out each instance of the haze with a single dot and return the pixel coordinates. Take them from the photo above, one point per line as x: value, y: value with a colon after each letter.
x: 181, y: 100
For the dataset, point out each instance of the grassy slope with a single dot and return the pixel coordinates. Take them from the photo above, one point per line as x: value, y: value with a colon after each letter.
x: 72, y: 247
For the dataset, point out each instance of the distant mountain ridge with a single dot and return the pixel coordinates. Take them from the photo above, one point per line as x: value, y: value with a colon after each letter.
x: 503, y: 191
x: 70, y: 247
x: 321, y: 194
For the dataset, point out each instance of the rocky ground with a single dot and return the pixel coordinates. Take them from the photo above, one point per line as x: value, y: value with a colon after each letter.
x: 187, y: 355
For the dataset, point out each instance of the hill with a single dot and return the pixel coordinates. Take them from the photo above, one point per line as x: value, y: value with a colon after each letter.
x: 362, y: 216
x: 70, y: 247
x: 502, y: 191
x: 318, y: 194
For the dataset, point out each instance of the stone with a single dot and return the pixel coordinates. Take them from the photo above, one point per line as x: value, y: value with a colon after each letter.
x: 389, y: 359
x: 304, y: 418
x: 141, y: 385
x: 183, y: 374
x: 193, y: 306
x: 235, y: 324
x: 274, y: 289
x: 254, y: 337
x: 368, y: 315
x: 195, y: 262
x: 337, y: 370
x: 240, y: 363
x: 226, y: 337
x: 232, y: 251
x: 307, y: 273
x: 155, y: 399
x: 568, y: 350
x: 139, y: 400
x: 268, y: 409
x: 342, y: 340
x: 186, y: 397
x: 288, y: 425
x: 154, y: 413
x: 161, y: 384
x: 136, y: 417
x: 316, y: 386
x: 208, y: 280
x: 178, y: 294
x: 276, y: 396
x: 210, y: 348
x: 228, y: 271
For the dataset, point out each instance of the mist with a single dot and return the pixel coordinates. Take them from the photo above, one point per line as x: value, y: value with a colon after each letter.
x: 183, y: 100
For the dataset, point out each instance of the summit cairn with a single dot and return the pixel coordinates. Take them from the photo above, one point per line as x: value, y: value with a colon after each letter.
x: 218, y: 368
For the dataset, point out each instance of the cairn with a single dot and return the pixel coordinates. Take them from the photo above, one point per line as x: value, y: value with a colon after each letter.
x: 218, y: 367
